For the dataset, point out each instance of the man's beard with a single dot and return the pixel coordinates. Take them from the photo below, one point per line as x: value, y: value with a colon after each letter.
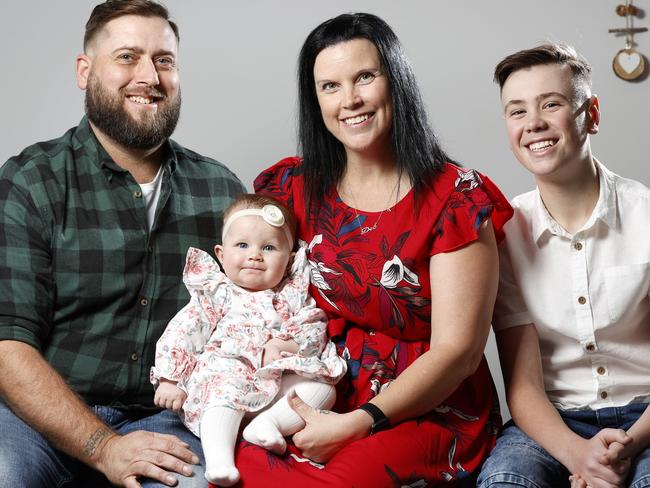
x: 106, y: 111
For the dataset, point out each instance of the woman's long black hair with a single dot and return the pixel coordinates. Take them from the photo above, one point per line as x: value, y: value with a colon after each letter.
x: 415, y: 146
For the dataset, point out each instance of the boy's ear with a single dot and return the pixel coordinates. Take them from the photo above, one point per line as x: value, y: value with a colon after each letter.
x: 218, y: 251
x: 593, y: 114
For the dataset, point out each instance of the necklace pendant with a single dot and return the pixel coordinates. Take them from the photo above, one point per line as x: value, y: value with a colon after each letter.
x: 364, y: 230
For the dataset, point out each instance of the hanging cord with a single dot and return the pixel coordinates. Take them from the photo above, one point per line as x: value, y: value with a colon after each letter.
x: 628, y: 25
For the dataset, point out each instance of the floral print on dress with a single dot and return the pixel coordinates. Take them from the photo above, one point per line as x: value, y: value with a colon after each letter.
x: 213, y: 347
x: 376, y: 290
x: 467, y: 180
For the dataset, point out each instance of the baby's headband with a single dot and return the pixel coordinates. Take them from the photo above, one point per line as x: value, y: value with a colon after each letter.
x: 271, y: 214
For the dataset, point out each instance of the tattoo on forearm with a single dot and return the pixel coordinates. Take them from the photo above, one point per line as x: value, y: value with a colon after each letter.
x: 95, y: 440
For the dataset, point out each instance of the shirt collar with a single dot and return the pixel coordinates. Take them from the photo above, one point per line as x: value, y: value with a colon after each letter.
x: 542, y: 221
x: 87, y: 141
x: 604, y: 211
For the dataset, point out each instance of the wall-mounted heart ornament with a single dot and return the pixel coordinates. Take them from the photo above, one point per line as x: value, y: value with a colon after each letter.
x: 628, y: 64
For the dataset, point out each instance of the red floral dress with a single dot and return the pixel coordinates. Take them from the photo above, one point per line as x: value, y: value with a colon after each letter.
x: 375, y: 288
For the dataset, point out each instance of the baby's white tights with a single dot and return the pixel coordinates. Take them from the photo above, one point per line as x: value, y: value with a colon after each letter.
x: 268, y: 429
x: 219, y: 427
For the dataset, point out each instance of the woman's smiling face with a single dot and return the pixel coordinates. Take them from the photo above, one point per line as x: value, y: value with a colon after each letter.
x: 354, y: 96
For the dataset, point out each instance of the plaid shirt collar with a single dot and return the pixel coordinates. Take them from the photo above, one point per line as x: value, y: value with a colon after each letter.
x: 84, y: 139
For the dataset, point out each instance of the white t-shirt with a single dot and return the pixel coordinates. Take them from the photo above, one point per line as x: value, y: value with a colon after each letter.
x: 151, y: 195
x: 587, y: 294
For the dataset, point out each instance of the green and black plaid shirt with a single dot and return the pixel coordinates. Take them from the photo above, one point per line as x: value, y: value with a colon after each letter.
x: 81, y: 276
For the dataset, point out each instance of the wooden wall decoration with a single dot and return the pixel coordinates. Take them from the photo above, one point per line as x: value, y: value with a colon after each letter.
x: 628, y: 63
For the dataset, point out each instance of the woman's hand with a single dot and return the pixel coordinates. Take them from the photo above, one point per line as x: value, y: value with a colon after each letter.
x: 326, y: 432
x: 169, y: 396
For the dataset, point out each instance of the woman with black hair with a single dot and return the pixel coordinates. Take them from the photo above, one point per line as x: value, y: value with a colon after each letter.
x: 402, y: 248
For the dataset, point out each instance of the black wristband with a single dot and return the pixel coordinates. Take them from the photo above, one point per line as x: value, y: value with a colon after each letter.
x: 379, y: 420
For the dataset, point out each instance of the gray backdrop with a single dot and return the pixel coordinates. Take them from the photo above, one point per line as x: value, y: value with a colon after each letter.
x: 238, y: 63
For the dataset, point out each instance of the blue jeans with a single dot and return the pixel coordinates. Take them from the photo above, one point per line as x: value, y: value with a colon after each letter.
x: 517, y: 460
x: 28, y: 460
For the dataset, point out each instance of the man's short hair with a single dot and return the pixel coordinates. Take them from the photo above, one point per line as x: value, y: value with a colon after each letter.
x: 103, y: 13
x: 547, y: 53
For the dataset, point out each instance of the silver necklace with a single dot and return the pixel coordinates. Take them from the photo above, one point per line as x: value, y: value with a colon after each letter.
x: 388, y: 207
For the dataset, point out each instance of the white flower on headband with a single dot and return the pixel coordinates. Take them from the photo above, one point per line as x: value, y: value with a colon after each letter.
x: 272, y: 215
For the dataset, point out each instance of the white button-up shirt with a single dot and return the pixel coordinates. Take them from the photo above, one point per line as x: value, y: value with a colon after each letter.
x: 587, y: 294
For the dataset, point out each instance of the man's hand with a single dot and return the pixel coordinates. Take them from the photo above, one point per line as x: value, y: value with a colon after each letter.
x: 169, y: 396
x: 53, y: 409
x: 124, y: 459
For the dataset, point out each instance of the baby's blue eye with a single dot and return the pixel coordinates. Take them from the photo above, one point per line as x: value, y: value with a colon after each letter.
x: 241, y: 245
x: 269, y: 247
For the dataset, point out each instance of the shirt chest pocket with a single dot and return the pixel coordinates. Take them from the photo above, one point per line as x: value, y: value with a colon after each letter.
x: 627, y: 289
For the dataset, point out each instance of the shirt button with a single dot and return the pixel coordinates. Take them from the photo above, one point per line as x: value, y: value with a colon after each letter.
x: 134, y: 356
x: 601, y: 370
x: 591, y: 347
x: 603, y: 395
x: 137, y: 194
x: 144, y: 302
x: 582, y: 300
x: 577, y: 246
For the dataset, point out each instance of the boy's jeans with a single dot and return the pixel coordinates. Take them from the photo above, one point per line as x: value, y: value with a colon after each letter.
x: 518, y: 461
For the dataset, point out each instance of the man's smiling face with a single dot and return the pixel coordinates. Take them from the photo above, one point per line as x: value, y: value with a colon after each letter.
x: 132, y: 83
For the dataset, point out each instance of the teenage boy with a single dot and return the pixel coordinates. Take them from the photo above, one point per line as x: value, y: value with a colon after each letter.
x: 572, y: 318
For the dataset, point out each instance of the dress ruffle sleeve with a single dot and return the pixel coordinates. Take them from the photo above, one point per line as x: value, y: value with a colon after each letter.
x: 279, y: 181
x: 473, y: 200
x: 188, y: 332
x: 307, y: 324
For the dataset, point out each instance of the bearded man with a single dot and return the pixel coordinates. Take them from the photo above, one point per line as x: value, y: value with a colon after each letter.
x: 94, y: 227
